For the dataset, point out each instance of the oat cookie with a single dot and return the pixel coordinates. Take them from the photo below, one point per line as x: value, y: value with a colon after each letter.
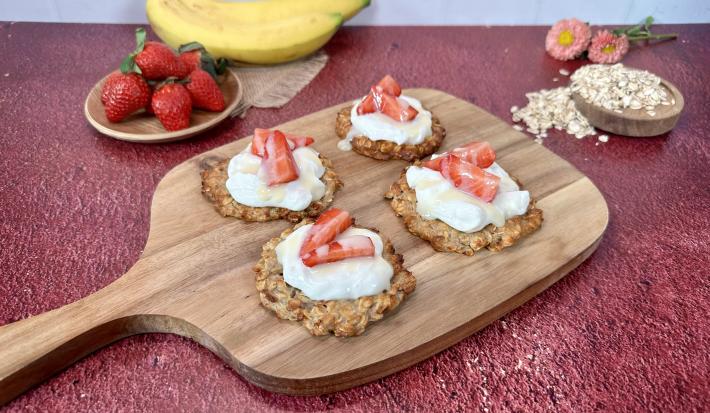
x: 214, y: 187
x: 443, y: 237
x: 385, y: 150
x: 343, y: 318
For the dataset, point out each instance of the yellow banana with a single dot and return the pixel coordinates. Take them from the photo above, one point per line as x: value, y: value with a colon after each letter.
x: 270, y: 10
x: 264, y: 43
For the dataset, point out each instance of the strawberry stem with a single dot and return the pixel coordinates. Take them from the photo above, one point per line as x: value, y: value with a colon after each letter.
x: 128, y: 65
x: 188, y: 47
x: 140, y: 40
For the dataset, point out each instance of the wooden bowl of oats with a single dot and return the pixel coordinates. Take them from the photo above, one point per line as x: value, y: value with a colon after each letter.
x: 626, y: 101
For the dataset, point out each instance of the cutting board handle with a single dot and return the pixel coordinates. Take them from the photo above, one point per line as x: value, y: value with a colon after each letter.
x: 34, y: 349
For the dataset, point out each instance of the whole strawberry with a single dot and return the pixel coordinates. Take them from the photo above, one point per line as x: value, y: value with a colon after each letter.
x: 155, y: 60
x: 108, y: 84
x: 125, y: 94
x: 194, y: 56
x: 204, y: 91
x: 191, y: 60
x: 149, y: 105
x: 172, y: 105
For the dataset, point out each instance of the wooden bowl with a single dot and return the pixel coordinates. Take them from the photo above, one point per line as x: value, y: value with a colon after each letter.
x: 634, y: 122
x: 146, y: 128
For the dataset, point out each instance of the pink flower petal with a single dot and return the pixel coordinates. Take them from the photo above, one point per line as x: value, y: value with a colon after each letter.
x: 567, y: 39
x: 607, y: 48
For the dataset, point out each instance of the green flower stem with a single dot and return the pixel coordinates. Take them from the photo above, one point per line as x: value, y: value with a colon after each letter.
x: 653, y: 37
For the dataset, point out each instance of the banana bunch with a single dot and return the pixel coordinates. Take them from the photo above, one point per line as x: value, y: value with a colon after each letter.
x: 262, y: 31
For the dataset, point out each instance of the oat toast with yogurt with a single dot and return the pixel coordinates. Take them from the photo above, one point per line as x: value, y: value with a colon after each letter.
x: 334, y: 307
x: 494, y: 220
x: 387, y: 125
x: 221, y: 191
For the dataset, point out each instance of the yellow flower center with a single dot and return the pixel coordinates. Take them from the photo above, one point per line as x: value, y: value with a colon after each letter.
x: 609, y: 48
x: 566, y: 38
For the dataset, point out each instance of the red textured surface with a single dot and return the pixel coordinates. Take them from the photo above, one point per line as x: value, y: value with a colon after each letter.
x: 627, y: 330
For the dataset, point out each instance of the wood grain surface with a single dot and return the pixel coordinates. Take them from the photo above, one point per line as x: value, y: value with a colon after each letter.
x: 146, y: 128
x: 634, y: 122
x: 195, y: 276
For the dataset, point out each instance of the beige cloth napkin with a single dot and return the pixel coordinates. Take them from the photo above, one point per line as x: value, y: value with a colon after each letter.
x: 274, y: 86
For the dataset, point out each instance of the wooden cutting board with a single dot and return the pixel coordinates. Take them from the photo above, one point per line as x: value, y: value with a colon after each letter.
x: 195, y: 276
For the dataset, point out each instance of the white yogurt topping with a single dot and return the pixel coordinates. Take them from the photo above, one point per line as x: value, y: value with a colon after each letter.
x: 378, y: 126
x: 341, y: 280
x: 248, y: 187
x: 437, y: 198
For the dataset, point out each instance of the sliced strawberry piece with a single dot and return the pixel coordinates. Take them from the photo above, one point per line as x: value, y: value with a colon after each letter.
x: 434, y: 164
x: 299, y: 141
x: 260, y: 135
x: 367, y: 105
x: 480, y: 154
x: 278, y: 164
x: 469, y: 178
x: 258, y: 142
x: 390, y: 86
x: 390, y: 106
x: 348, y: 247
x: 331, y: 223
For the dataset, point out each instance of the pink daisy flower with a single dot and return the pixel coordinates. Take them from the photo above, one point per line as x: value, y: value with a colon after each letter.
x: 567, y: 39
x: 607, y: 48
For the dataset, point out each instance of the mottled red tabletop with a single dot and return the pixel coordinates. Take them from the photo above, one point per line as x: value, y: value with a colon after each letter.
x: 627, y: 330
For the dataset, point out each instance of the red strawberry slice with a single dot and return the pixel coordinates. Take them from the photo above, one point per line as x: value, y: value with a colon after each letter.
x: 299, y: 141
x: 367, y: 105
x: 278, y: 164
x: 258, y: 142
x: 348, y: 247
x: 469, y: 178
x: 480, y: 154
x: 390, y: 86
x: 331, y: 223
x: 390, y: 106
x: 435, y: 163
x: 260, y: 135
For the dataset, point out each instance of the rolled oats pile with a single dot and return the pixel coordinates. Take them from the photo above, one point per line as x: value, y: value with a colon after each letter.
x: 617, y: 87
x: 552, y: 108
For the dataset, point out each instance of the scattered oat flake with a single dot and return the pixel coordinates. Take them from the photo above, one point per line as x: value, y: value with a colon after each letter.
x: 555, y: 79
x: 553, y: 108
x: 603, y: 138
x: 564, y: 72
x: 518, y: 127
x: 514, y: 109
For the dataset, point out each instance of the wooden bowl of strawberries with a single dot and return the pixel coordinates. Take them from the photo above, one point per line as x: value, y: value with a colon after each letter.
x: 161, y: 96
